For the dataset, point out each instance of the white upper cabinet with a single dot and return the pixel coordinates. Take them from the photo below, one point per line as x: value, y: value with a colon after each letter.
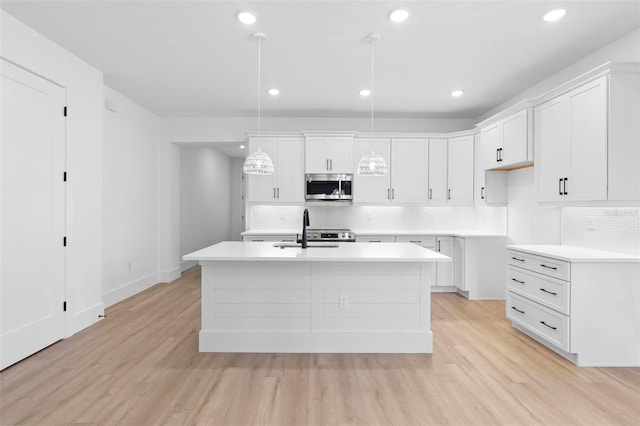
x: 329, y: 154
x: 286, y: 184
x: 409, y: 176
x: 371, y: 189
x: 460, y: 170
x: 508, y: 143
x: 571, y: 135
x: 490, y: 186
x: 586, y: 135
x: 438, y: 189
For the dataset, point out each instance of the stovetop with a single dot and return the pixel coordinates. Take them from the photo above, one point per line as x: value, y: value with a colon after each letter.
x: 330, y: 235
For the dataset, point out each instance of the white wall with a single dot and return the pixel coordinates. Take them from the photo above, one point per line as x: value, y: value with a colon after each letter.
x: 205, y: 198
x: 130, y: 226
x: 232, y: 129
x: 84, y: 88
x: 381, y: 218
x: 237, y: 199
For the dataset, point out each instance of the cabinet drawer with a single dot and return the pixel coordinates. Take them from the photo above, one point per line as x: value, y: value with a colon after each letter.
x: 546, y: 323
x: 376, y: 239
x: 544, y: 265
x: 551, y: 292
x: 421, y: 241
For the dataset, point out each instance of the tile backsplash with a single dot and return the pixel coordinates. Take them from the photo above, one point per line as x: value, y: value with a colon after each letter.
x: 606, y: 228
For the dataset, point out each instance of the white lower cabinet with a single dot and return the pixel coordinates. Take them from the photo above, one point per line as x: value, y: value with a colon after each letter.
x: 585, y: 310
x: 478, y: 267
x: 376, y: 239
x: 444, y: 245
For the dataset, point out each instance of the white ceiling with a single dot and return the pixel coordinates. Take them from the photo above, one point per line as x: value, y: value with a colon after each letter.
x: 193, y: 58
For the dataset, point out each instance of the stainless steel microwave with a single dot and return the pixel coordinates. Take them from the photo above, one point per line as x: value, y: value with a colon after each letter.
x: 328, y: 187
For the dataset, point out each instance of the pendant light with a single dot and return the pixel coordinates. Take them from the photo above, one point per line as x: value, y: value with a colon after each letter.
x: 258, y: 163
x: 372, y: 164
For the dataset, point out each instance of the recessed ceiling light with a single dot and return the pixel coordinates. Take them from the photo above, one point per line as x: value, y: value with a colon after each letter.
x: 365, y: 92
x: 554, y: 15
x: 274, y: 92
x: 242, y: 147
x: 247, y: 17
x: 399, y: 15
x: 457, y: 93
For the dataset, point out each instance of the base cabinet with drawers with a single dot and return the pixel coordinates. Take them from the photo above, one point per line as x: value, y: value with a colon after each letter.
x: 587, y: 310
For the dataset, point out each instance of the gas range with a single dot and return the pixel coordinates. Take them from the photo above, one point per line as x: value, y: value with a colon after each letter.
x: 344, y: 235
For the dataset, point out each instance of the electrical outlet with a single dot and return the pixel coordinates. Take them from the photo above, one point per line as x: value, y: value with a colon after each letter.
x: 281, y: 214
x: 590, y: 223
x: 343, y: 301
x: 368, y: 215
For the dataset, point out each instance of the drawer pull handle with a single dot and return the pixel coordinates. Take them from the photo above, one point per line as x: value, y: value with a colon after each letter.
x: 544, y: 323
x: 417, y: 242
x: 547, y: 291
x: 519, y: 260
x: 518, y: 281
x: 516, y: 309
x: 549, y: 267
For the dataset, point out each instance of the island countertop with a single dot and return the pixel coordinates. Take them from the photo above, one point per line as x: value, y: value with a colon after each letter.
x: 345, y: 252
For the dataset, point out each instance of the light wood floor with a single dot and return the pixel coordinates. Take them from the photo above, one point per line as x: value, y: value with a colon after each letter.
x: 141, y: 366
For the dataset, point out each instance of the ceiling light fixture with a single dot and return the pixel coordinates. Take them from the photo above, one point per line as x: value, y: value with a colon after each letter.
x: 365, y: 92
x: 258, y: 163
x: 274, y: 92
x: 372, y: 164
x: 242, y: 147
x: 246, y: 17
x: 457, y: 93
x: 399, y: 15
x: 554, y: 15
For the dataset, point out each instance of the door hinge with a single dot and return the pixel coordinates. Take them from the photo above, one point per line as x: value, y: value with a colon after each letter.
x: 64, y: 241
x: 64, y: 176
x: 64, y: 306
x: 65, y: 111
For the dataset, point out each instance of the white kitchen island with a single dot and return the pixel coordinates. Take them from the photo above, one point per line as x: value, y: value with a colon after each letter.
x: 357, y: 297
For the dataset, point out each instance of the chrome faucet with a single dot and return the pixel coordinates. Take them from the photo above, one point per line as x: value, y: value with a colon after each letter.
x: 305, y: 223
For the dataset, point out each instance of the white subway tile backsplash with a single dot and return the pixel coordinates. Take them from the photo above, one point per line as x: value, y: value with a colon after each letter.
x: 606, y: 228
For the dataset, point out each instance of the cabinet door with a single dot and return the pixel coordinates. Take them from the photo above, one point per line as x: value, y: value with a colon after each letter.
x: 444, y: 270
x: 515, y: 140
x: 290, y: 171
x: 409, y: 163
x: 438, y: 171
x: 262, y: 188
x: 491, y: 142
x: 460, y: 170
x: 340, y: 155
x: 551, y: 149
x: 316, y: 155
x: 458, y: 263
x: 371, y: 189
x: 587, y: 139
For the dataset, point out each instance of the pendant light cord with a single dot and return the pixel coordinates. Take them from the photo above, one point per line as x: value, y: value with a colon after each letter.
x: 259, y: 84
x: 372, y: 91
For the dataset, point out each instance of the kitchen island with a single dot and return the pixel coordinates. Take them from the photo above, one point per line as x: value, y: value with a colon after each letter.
x: 347, y: 297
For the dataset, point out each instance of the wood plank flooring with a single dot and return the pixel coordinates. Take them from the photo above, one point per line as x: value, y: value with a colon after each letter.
x: 141, y: 366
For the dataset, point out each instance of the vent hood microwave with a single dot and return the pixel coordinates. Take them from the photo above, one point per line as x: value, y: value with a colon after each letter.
x: 328, y: 187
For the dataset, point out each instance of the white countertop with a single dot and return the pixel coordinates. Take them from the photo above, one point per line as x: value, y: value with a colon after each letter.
x: 346, y: 252
x: 575, y: 253
x: 426, y: 233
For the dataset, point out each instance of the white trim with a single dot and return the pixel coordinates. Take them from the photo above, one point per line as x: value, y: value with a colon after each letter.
x: 80, y: 320
x: 316, y: 341
x: 129, y: 289
x: 170, y: 275
x: 186, y: 264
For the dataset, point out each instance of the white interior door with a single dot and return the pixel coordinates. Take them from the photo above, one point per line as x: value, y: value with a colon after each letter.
x: 32, y: 156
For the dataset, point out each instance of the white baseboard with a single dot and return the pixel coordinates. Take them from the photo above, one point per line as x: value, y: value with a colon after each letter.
x: 125, y: 291
x: 168, y: 276
x: 186, y: 264
x: 316, y: 341
x: 83, y: 319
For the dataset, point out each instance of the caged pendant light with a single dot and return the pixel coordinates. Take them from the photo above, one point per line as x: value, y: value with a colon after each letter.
x: 258, y: 163
x: 372, y: 164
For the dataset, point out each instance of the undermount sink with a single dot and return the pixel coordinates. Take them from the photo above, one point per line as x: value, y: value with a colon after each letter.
x: 310, y: 245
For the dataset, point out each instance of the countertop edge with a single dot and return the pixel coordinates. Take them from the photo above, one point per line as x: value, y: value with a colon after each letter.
x: 597, y: 256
